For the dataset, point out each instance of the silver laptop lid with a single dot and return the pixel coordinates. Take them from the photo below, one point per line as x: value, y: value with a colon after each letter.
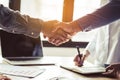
x: 18, y: 46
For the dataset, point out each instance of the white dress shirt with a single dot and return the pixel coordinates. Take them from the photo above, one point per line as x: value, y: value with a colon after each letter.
x: 105, y: 46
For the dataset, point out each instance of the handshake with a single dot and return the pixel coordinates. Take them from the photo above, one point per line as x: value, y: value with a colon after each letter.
x: 59, y: 32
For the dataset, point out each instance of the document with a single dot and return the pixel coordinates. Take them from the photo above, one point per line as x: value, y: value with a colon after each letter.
x: 87, y: 69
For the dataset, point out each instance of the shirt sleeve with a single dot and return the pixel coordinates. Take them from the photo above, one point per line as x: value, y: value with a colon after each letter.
x: 102, y: 16
x: 13, y: 22
x: 91, y: 45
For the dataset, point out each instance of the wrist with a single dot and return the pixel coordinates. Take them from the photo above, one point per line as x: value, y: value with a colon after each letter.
x: 43, y: 23
x: 86, y: 54
x: 75, y: 27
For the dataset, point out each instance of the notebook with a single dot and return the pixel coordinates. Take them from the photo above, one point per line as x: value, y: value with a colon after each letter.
x: 21, y: 71
x: 84, y: 69
x: 18, y: 49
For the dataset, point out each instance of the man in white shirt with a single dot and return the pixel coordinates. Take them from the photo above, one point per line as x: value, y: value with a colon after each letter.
x: 104, y: 48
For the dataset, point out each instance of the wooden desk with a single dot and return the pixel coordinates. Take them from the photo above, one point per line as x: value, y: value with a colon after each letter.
x: 55, y: 71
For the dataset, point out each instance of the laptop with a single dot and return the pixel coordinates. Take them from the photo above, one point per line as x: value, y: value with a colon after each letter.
x: 18, y: 49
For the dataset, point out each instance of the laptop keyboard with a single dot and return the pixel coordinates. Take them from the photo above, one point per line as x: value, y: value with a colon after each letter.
x: 22, y: 71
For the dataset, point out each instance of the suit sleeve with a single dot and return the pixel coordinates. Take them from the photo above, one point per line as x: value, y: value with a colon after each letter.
x: 13, y: 22
x: 102, y: 16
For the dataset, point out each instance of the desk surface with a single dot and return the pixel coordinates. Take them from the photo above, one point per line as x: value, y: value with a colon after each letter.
x: 55, y: 71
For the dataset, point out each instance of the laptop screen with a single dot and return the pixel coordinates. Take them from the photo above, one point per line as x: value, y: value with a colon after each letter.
x: 20, y: 46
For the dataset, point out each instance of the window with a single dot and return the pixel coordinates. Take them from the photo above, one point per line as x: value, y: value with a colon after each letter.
x: 43, y: 9
x: 4, y: 2
x: 53, y: 10
x: 81, y: 8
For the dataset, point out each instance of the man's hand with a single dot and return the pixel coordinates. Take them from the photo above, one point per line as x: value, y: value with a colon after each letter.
x: 59, y: 32
x: 48, y: 27
x: 113, y: 71
x: 53, y: 34
x: 64, y: 32
x: 59, y: 37
x: 79, y: 62
x: 69, y: 27
x: 2, y: 77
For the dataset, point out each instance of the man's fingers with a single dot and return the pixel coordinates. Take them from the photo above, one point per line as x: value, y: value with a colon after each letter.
x: 110, y: 73
x: 61, y: 33
x: 2, y: 77
x: 58, y: 42
x: 78, y: 61
x: 109, y: 68
x: 76, y: 58
x: 59, y: 37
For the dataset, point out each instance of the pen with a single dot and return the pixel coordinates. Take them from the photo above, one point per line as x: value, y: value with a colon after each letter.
x: 80, y: 55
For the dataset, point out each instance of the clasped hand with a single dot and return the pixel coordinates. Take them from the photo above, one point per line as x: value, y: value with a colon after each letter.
x: 58, y: 32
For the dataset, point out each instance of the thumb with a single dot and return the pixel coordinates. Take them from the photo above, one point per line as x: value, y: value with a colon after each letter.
x: 58, y: 26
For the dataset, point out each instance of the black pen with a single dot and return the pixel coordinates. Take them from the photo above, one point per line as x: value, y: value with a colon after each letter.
x: 80, y: 55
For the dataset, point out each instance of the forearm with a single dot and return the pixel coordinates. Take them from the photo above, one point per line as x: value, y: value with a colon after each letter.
x: 104, y: 15
x: 13, y: 22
